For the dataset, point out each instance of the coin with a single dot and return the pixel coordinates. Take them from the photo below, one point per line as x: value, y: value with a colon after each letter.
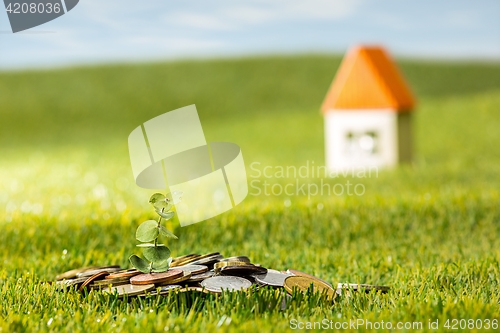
x: 302, y: 283
x: 185, y: 276
x: 107, y: 282
x: 207, y: 261
x: 194, y: 269
x: 229, y: 263
x: 200, y: 277
x: 109, y: 269
x: 241, y: 258
x: 193, y: 259
x: 242, y: 270
x: 90, y: 280
x: 299, y: 273
x: 156, y: 277
x: 366, y: 287
x: 185, y: 257
x: 209, y: 255
x: 166, y: 289
x: 64, y: 284
x: 72, y: 273
x: 274, y: 279
x: 184, y: 261
x: 124, y: 273
x: 199, y: 289
x: 130, y: 289
x: 276, y: 271
x: 229, y: 283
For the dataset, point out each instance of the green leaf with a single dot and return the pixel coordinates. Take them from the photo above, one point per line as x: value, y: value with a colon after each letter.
x: 156, y: 197
x: 165, y: 232
x: 147, y: 231
x: 140, y: 264
x: 157, y: 254
x: 162, y: 205
x: 148, y: 245
x: 162, y: 267
x: 165, y: 215
x: 174, y: 197
x: 160, y: 202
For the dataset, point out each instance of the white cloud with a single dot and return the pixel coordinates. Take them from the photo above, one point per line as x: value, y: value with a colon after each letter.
x: 197, y: 20
x: 237, y: 14
x: 98, y: 30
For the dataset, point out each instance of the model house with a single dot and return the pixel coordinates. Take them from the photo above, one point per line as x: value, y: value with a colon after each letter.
x: 367, y: 113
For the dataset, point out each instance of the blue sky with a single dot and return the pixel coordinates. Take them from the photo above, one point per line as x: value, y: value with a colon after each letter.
x: 128, y: 30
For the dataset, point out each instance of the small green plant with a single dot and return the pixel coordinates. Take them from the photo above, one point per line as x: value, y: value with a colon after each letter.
x: 157, y: 255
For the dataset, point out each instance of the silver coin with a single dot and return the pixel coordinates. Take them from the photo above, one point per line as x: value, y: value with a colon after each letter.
x: 165, y: 289
x: 207, y: 261
x: 72, y: 282
x: 194, y: 269
x: 129, y: 289
x: 240, y: 258
x: 229, y: 283
x: 270, y: 270
x: 274, y: 279
x: 201, y: 277
x: 367, y: 287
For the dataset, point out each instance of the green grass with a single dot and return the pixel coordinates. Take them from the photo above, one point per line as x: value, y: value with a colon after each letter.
x: 68, y: 199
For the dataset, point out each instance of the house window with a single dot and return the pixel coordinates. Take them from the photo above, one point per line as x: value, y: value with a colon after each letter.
x: 351, y: 144
x: 368, y: 143
x: 362, y: 144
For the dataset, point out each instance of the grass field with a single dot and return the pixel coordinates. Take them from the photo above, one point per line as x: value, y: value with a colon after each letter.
x: 68, y: 199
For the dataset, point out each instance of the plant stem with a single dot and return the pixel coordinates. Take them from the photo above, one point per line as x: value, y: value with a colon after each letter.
x: 159, y: 220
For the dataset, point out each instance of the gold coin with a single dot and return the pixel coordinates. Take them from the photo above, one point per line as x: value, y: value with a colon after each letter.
x: 302, y: 283
x: 187, y: 256
x: 193, y: 259
x: 130, y: 289
x: 299, y: 273
x: 72, y: 273
x: 208, y: 255
x: 186, y: 276
x: 221, y: 264
x: 184, y: 261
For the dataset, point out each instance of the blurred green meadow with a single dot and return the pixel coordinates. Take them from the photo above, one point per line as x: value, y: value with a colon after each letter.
x: 430, y: 230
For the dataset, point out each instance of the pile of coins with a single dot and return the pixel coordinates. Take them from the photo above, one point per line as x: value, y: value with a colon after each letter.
x: 209, y: 273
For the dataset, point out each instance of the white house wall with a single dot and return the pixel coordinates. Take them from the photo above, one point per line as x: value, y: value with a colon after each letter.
x: 338, y: 125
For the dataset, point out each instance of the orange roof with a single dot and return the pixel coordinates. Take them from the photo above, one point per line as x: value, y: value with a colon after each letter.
x: 368, y: 79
